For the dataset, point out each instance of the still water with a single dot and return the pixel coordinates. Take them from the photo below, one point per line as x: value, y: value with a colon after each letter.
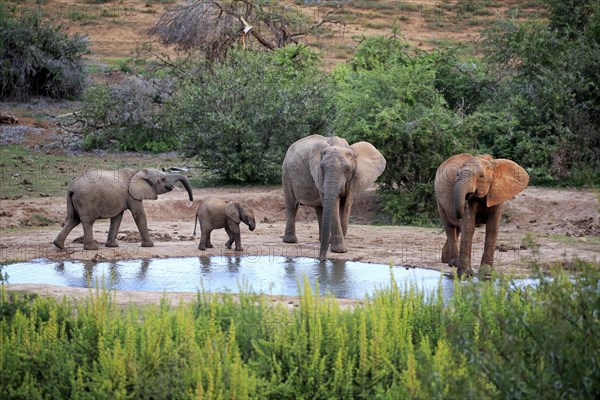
x: 269, y: 275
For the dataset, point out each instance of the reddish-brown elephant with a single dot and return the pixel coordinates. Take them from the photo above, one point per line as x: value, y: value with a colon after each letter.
x: 470, y: 191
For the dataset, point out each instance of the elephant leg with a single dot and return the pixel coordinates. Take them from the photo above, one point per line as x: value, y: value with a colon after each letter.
x: 204, y: 237
x: 139, y: 216
x: 491, y: 235
x: 467, y: 229
x: 235, y: 231
x: 319, y: 211
x: 338, y: 244
x: 450, y: 249
x: 291, y: 209
x: 88, y: 236
x: 231, y: 237
x: 115, y: 223
x: 60, y: 238
x: 208, y: 243
x: 345, y: 209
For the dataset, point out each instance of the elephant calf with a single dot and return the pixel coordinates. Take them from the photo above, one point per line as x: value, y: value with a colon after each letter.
x: 217, y: 214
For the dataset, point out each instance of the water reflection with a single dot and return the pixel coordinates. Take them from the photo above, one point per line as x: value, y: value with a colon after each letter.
x: 272, y: 275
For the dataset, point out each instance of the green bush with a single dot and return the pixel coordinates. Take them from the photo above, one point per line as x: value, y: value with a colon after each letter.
x: 240, y: 116
x: 546, y: 80
x: 37, y: 58
x: 490, y: 339
x: 128, y: 116
x: 398, y: 108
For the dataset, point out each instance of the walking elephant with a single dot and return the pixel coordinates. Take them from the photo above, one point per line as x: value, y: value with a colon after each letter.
x: 471, y: 190
x: 326, y: 173
x: 217, y: 214
x: 107, y: 194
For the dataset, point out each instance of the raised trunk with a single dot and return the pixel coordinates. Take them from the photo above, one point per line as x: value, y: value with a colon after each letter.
x: 328, y: 205
x: 461, y: 188
x: 186, y: 184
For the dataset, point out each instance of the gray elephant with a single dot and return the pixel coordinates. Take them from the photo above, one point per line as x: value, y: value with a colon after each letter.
x: 471, y: 191
x: 326, y: 173
x: 107, y: 194
x: 217, y: 214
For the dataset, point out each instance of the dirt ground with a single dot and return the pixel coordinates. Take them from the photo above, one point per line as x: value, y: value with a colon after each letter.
x: 550, y: 225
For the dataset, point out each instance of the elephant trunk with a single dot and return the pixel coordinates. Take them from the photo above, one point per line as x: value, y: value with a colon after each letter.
x: 329, y: 200
x: 186, y: 184
x: 461, y: 189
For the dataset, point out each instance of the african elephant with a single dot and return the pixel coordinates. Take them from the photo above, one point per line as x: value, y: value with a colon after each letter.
x: 107, y: 194
x: 326, y: 173
x: 471, y: 190
x: 217, y: 214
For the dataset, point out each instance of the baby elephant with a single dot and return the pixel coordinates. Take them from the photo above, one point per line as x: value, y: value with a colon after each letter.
x: 217, y: 214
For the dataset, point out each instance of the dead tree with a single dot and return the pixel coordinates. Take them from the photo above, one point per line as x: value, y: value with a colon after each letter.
x: 212, y: 27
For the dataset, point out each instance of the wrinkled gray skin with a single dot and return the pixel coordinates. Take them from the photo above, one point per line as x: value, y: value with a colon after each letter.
x: 470, y: 191
x: 326, y: 173
x: 107, y: 194
x: 219, y: 214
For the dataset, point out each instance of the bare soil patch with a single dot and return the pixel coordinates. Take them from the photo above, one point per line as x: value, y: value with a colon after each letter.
x: 552, y: 226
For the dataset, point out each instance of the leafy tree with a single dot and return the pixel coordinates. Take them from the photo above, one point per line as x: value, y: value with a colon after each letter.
x: 240, y: 116
x: 37, y: 58
x: 393, y: 103
x: 548, y: 82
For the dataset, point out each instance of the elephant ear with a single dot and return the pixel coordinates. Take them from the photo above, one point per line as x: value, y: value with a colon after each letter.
x: 370, y: 163
x: 509, y: 180
x: 314, y: 163
x: 140, y: 188
x: 232, y: 210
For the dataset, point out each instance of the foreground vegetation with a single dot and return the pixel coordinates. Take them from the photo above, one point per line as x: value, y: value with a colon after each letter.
x: 486, y: 341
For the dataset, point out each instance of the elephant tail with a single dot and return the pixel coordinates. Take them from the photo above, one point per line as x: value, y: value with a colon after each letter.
x: 71, y: 211
x: 195, y: 223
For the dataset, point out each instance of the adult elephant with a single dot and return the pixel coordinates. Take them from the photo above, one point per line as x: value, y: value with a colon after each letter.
x: 326, y: 173
x: 471, y: 190
x: 107, y: 194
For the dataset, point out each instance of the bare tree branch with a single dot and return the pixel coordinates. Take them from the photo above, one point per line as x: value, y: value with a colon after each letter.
x: 212, y: 26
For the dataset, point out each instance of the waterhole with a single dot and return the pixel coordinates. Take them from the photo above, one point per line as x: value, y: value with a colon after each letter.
x: 268, y: 275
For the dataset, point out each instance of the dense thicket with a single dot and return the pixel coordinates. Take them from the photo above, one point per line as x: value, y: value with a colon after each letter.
x: 488, y: 340
x: 547, y: 83
x: 240, y: 117
x: 38, y: 59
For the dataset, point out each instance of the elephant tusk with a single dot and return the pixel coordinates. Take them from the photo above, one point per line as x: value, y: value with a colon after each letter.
x: 177, y: 189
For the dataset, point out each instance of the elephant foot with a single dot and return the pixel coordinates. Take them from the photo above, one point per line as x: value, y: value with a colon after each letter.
x: 60, y: 245
x: 201, y: 247
x: 147, y: 244
x: 290, y: 238
x: 239, y: 249
x: 453, y: 262
x: 90, y: 246
x: 209, y: 246
x: 465, y: 272
x: 112, y: 243
x: 338, y: 248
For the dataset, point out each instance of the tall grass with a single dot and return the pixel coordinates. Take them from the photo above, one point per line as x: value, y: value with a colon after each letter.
x: 489, y: 340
